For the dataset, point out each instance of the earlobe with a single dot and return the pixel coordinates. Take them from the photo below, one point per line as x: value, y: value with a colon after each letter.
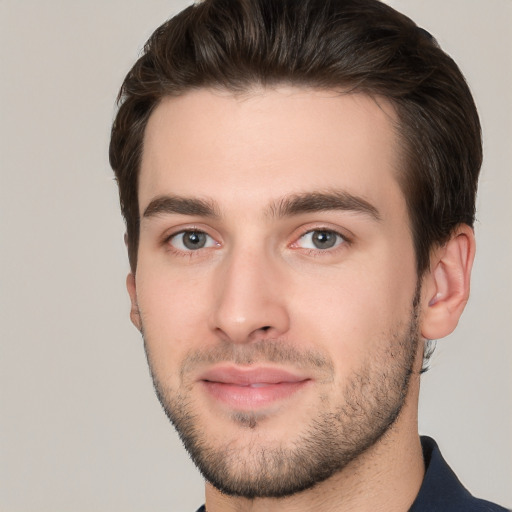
x: 132, y: 292
x: 446, y: 286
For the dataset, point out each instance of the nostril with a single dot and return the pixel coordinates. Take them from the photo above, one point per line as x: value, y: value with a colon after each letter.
x: 265, y: 328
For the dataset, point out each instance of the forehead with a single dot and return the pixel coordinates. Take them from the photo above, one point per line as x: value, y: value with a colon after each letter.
x: 267, y: 144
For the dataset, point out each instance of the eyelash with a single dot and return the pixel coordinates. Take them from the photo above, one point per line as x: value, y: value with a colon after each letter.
x: 342, y: 240
x: 183, y: 252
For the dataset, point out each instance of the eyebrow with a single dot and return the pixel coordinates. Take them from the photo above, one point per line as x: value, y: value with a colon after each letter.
x: 288, y: 206
x: 323, y: 201
x: 181, y: 206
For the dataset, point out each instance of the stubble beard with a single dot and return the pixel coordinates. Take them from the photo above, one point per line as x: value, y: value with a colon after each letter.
x: 372, y: 400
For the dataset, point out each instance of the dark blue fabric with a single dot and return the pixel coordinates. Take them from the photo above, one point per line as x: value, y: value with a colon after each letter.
x: 441, y: 490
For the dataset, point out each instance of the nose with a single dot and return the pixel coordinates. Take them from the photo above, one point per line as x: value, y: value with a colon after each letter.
x: 250, y: 298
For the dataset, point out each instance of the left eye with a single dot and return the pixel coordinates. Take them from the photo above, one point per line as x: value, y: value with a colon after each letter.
x: 320, y: 239
x: 192, y: 241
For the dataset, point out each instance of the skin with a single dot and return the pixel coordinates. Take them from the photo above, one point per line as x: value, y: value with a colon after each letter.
x: 260, y: 279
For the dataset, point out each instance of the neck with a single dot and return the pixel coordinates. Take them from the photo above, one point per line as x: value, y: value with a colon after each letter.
x: 386, y: 478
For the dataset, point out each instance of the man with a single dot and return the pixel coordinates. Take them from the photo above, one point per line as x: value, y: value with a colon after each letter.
x: 298, y: 181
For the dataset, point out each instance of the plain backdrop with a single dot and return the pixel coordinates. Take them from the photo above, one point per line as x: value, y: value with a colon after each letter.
x: 80, y: 427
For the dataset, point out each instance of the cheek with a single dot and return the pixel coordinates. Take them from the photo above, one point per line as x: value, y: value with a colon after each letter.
x: 173, y: 314
x: 167, y: 296
x: 349, y: 313
x: 341, y: 318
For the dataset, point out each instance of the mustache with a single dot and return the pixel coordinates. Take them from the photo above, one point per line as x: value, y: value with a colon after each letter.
x: 261, y: 351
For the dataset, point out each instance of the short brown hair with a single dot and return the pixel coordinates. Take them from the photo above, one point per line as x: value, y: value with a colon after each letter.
x: 355, y: 45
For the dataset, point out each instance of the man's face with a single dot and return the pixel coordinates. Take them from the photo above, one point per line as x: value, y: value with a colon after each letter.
x: 276, y: 282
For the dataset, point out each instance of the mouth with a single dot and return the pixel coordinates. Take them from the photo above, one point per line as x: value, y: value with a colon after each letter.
x: 250, y: 389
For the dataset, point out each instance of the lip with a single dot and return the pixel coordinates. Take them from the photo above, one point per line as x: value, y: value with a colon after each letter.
x: 251, y: 388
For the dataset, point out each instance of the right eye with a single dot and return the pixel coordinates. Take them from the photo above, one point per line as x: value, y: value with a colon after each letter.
x: 186, y: 241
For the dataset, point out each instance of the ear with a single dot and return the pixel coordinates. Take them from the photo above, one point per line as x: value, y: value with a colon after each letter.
x: 445, y: 289
x: 132, y: 292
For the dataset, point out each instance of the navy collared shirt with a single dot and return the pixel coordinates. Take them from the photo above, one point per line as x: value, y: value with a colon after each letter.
x: 441, y: 490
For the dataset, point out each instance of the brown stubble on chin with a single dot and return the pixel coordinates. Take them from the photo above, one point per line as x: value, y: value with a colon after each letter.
x: 312, y: 362
x: 373, y: 398
x: 245, y: 419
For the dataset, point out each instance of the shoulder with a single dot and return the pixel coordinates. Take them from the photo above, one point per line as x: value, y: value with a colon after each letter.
x: 442, y: 491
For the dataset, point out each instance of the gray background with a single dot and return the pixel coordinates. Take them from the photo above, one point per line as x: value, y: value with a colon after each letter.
x: 80, y: 427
